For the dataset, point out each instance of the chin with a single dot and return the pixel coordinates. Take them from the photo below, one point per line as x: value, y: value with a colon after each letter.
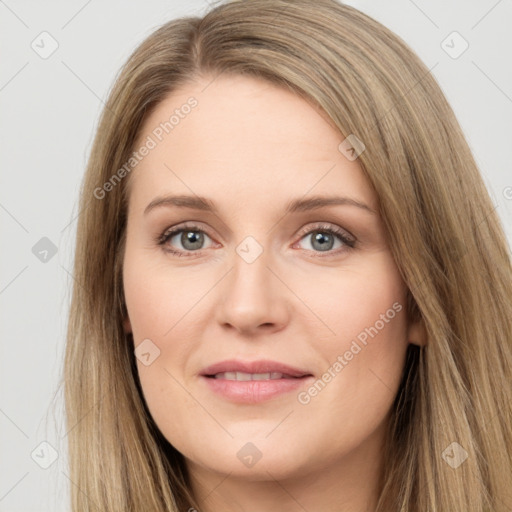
x: 254, y: 461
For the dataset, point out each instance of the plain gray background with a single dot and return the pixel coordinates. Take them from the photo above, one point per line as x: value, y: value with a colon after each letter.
x: 49, y: 110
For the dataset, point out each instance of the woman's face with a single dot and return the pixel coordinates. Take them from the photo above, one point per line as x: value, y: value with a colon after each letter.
x: 264, y: 269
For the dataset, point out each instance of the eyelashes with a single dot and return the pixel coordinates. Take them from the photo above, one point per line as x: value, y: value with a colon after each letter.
x: 331, y: 230
x: 167, y: 235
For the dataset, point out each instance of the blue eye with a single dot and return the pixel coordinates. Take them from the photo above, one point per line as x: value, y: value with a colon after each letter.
x: 192, y: 238
x: 324, y: 239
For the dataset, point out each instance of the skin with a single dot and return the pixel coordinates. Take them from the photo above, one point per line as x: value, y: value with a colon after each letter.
x: 251, y: 148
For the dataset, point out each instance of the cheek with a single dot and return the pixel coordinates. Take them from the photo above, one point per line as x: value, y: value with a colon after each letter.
x: 159, y: 298
x: 164, y: 308
x: 156, y: 301
x: 364, y: 349
x: 364, y: 302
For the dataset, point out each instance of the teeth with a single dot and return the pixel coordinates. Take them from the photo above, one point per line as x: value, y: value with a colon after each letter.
x: 242, y: 376
x: 257, y: 376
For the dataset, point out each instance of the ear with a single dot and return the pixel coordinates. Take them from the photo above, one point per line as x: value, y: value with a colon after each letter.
x: 417, y: 333
x: 127, y: 325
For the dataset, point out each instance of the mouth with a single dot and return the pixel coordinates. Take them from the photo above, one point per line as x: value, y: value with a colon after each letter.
x: 253, y: 382
x: 253, y: 370
x: 243, y: 376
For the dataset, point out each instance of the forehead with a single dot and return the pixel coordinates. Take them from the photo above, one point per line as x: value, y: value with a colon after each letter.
x: 244, y: 136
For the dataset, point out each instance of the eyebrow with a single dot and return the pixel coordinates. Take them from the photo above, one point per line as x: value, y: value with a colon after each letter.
x: 297, y: 205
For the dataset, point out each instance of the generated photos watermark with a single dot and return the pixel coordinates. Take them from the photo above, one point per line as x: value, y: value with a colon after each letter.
x: 361, y: 341
x: 151, y: 142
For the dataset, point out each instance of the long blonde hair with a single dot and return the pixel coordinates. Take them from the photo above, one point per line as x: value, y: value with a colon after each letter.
x: 444, y: 234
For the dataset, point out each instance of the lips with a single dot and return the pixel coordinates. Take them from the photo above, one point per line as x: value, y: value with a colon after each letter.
x: 253, y: 370
x: 254, y: 382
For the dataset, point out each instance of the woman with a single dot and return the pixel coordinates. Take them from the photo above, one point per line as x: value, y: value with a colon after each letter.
x: 248, y: 370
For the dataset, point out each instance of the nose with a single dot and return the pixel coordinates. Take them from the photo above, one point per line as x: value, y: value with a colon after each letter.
x: 252, y: 298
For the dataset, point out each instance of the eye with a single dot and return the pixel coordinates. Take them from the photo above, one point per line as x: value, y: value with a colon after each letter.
x: 323, y: 238
x: 190, y: 237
